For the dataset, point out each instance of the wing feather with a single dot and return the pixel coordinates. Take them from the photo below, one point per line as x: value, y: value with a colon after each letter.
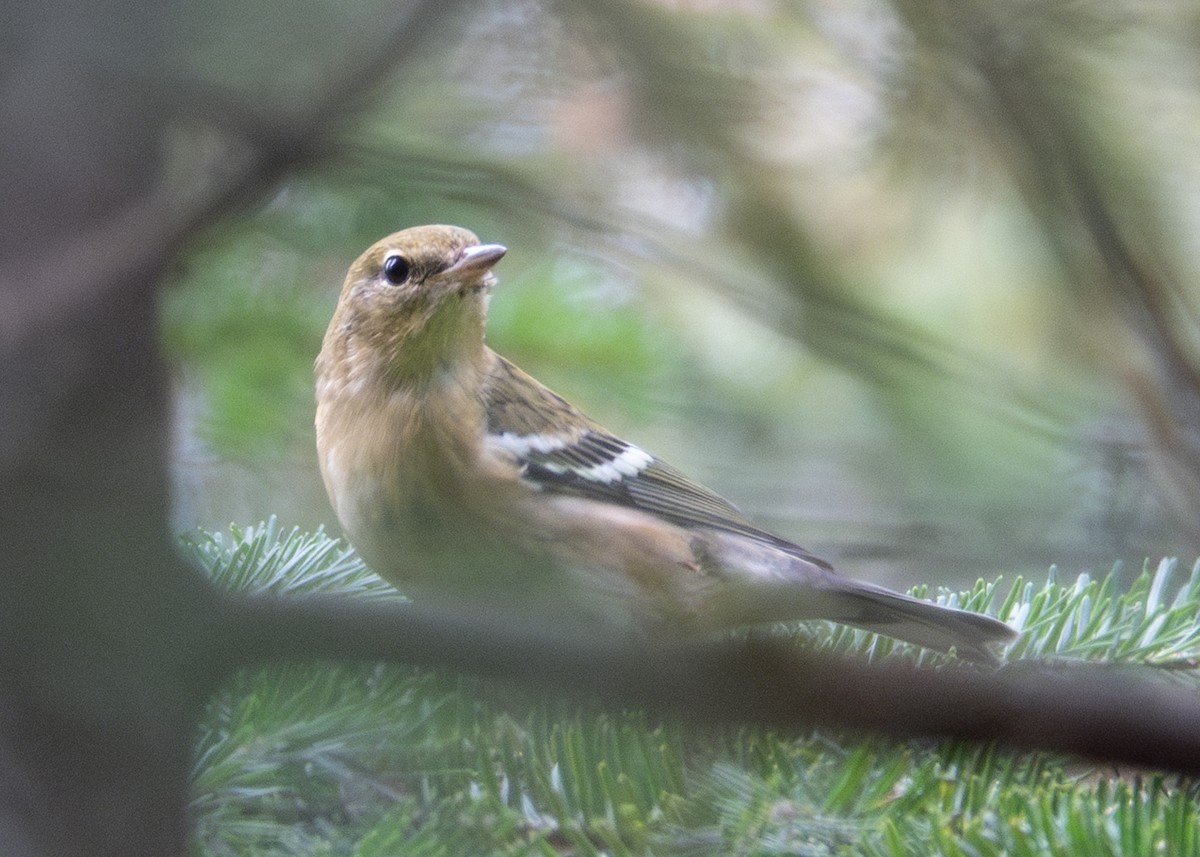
x: 585, y: 460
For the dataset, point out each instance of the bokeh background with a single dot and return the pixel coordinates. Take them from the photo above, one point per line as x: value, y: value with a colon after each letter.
x: 912, y: 283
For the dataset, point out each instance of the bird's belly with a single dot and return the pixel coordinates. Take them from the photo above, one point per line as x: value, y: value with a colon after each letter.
x: 397, y: 518
x: 458, y: 546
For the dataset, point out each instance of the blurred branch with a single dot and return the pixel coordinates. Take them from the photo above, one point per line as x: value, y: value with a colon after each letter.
x: 1094, y: 202
x: 99, y: 692
x: 282, y: 139
x: 705, y: 108
x: 260, y: 145
x: 1103, y: 713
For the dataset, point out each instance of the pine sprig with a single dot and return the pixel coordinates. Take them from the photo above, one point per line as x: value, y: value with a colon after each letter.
x: 267, y: 560
x: 1153, y: 622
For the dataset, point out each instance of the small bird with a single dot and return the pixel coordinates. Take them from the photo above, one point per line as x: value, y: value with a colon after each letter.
x: 467, y: 483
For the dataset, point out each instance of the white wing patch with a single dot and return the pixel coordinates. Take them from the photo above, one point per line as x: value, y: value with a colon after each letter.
x: 521, y: 445
x: 627, y: 464
x: 591, y: 457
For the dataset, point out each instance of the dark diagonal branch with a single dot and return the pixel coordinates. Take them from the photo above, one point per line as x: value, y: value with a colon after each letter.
x: 1103, y: 713
x: 260, y: 146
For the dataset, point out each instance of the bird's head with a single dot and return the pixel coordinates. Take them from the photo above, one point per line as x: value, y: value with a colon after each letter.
x: 414, y: 302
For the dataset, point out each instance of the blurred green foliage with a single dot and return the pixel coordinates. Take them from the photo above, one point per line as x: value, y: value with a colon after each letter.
x: 241, y: 330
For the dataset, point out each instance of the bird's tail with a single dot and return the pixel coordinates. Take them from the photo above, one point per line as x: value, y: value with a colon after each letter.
x: 765, y: 584
x: 924, y: 623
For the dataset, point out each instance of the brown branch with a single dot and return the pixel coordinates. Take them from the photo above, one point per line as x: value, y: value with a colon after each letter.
x: 1105, y: 713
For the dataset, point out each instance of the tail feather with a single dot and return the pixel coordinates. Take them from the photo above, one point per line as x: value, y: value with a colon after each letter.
x: 922, y: 622
x: 765, y: 584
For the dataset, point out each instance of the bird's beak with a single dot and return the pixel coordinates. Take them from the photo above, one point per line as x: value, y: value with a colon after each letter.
x: 476, y: 261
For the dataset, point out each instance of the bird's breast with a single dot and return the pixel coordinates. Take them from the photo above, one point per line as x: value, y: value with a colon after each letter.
x: 403, y: 474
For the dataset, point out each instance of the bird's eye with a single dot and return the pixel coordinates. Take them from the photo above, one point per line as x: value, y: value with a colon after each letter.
x: 396, y: 269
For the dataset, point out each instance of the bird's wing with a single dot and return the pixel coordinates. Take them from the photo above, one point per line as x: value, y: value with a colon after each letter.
x: 561, y: 450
